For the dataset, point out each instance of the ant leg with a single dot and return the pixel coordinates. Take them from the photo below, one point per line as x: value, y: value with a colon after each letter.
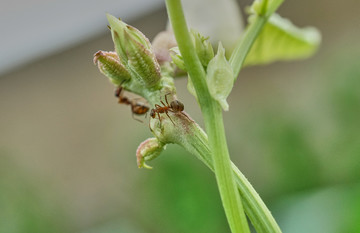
x: 166, y: 98
x: 186, y: 116
x: 163, y: 103
x: 118, y: 91
x: 159, y: 119
x: 152, y: 131
x: 136, y: 118
x: 119, y: 94
x: 123, y: 82
x: 170, y: 110
x: 169, y: 117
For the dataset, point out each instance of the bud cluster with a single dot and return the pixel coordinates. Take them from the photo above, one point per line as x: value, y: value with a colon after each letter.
x: 134, y: 59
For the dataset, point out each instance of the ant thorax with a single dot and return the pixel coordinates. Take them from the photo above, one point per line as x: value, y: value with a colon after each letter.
x: 175, y: 106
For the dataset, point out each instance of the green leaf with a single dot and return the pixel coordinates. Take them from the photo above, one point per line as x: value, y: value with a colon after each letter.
x: 219, y: 78
x: 282, y: 40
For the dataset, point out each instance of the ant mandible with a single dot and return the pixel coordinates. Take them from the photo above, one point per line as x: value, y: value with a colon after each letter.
x: 175, y: 106
x: 137, y: 108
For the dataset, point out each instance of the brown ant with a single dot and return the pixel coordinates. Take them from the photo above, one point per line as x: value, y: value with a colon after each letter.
x: 175, y: 106
x: 137, y: 108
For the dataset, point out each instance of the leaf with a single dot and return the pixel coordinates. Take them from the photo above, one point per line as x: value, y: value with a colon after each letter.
x: 219, y: 78
x: 282, y: 40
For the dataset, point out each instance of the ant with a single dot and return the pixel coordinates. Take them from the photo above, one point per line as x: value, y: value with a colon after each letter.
x: 175, y: 106
x: 137, y: 108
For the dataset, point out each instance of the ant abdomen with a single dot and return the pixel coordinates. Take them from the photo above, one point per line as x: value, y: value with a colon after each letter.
x: 176, y: 106
x: 137, y: 108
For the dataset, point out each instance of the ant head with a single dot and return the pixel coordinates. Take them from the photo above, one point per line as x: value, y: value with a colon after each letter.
x: 118, y: 91
x: 177, y: 106
x: 152, y: 113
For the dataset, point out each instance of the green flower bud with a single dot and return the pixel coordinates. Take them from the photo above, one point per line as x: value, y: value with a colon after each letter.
x: 260, y: 7
x: 203, y: 47
x: 109, y: 65
x: 179, y: 62
x: 148, y: 150
x: 220, y: 78
x: 135, y: 51
x: 177, y: 58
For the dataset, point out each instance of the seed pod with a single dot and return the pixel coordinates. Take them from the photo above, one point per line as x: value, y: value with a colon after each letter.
x: 109, y: 65
x: 220, y: 78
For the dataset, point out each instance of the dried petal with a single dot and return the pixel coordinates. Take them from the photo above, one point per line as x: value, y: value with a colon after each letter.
x: 148, y: 150
x: 161, y: 44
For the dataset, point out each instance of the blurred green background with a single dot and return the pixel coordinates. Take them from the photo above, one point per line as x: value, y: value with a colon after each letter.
x: 67, y: 149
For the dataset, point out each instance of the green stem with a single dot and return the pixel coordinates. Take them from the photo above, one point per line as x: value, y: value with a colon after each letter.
x: 273, y: 6
x: 251, y: 33
x: 242, y: 49
x: 197, y: 144
x: 213, y: 121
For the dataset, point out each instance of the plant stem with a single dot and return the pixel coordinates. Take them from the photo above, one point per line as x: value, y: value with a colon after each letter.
x: 197, y: 144
x: 251, y: 33
x: 212, y: 113
x: 273, y: 6
x: 242, y: 49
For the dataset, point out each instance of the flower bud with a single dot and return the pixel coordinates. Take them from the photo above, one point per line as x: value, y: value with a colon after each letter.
x: 220, y: 78
x: 259, y: 7
x: 177, y: 58
x: 109, y: 65
x: 203, y: 48
x: 148, y: 150
x: 179, y: 62
x: 135, y: 51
